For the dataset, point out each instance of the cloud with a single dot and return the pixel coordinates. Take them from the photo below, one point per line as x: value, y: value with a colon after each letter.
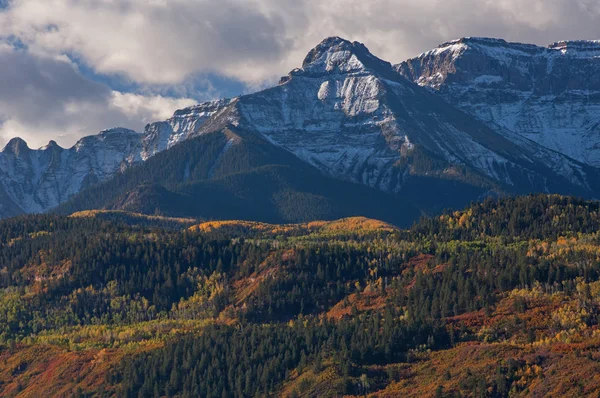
x: 46, y: 98
x: 202, y: 48
x: 165, y: 42
x: 149, y: 108
x: 150, y: 41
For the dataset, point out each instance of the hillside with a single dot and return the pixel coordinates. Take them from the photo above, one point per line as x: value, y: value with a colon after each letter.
x: 225, y: 175
x: 502, y: 298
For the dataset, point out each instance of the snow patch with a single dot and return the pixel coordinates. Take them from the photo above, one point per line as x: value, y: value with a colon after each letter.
x: 324, y: 91
x: 487, y: 79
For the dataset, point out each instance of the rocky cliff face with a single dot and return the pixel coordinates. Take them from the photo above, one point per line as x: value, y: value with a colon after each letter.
x: 352, y: 116
x: 548, y: 95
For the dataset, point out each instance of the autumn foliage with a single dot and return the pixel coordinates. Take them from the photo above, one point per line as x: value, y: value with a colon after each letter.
x: 500, y: 299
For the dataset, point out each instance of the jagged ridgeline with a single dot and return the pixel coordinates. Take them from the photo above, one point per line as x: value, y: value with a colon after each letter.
x: 431, y: 133
x: 499, y: 299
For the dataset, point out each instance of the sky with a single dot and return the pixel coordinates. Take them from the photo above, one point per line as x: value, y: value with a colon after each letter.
x: 70, y: 68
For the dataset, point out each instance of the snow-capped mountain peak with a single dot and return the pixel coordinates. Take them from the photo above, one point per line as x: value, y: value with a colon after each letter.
x: 578, y: 48
x: 51, y: 146
x: 36, y: 180
x: 550, y: 95
x: 335, y: 54
x: 351, y: 115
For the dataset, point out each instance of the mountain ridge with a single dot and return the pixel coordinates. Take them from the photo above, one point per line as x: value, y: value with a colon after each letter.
x: 51, y: 174
x: 550, y: 95
x: 395, y: 113
x: 351, y: 116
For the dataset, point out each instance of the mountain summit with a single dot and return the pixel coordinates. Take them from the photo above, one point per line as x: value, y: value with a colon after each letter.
x: 337, y: 55
x: 16, y: 146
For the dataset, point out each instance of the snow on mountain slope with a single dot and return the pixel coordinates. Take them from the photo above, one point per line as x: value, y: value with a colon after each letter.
x: 36, y: 180
x: 548, y: 95
x: 184, y: 123
x: 351, y: 115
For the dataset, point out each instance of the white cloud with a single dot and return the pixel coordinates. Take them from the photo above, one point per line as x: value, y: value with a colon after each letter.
x: 165, y: 42
x: 149, y: 108
x: 46, y: 98
x: 149, y: 41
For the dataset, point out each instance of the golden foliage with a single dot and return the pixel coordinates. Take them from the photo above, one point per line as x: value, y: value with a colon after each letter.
x: 351, y: 224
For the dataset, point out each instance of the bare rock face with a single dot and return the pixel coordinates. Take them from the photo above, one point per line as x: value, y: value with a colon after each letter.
x: 548, y: 95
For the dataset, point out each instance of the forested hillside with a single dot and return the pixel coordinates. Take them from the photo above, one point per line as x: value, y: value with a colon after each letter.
x: 500, y: 299
x: 233, y: 175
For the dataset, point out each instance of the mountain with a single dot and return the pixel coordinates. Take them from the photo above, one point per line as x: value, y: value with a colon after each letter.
x: 37, y: 180
x: 344, y: 118
x: 550, y: 95
x: 349, y: 114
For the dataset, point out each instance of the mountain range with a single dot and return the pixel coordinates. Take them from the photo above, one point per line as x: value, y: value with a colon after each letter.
x: 345, y: 134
